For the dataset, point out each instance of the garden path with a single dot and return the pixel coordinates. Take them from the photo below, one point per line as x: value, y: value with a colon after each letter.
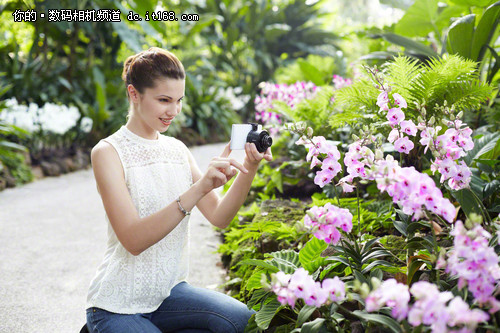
x: 53, y: 237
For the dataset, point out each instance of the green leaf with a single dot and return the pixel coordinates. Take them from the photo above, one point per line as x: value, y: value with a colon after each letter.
x: 359, y: 276
x: 253, y: 282
x: 277, y: 179
x: 409, y: 44
x: 401, y: 227
x: 286, y: 261
x: 258, y: 296
x: 460, y: 35
x: 339, y: 259
x: 131, y: 37
x: 267, y: 312
x: 275, y: 31
x: 259, y: 263
x: 304, y: 314
x: 482, y: 146
x: 311, y: 73
x: 477, y: 185
x: 484, y: 31
x: 490, y: 188
x: 490, y: 163
x: 390, y: 323
x: 311, y: 252
x: 328, y: 269
x: 467, y: 201
x: 374, y: 264
x: 413, y: 268
x: 470, y: 3
x: 419, y: 19
x: 315, y: 326
x: 375, y: 254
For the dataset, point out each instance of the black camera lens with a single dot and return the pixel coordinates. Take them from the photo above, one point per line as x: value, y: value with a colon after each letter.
x: 262, y: 139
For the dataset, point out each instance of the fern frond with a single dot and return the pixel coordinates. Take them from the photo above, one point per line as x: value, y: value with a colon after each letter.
x: 401, y: 75
x: 361, y: 95
x: 469, y: 95
x: 452, y: 79
x: 316, y: 110
x: 340, y: 119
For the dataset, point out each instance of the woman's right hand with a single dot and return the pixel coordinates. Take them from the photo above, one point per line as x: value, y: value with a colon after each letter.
x: 220, y: 171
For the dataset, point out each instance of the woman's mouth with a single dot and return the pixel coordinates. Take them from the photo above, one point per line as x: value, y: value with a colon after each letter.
x: 166, y: 121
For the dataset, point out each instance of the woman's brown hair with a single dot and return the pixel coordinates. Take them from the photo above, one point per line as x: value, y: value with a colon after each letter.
x: 143, y: 69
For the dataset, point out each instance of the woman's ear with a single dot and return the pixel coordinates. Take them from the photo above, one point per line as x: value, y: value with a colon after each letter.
x: 132, y: 92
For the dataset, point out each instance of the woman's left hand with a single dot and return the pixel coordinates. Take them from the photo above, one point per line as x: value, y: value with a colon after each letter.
x: 253, y: 156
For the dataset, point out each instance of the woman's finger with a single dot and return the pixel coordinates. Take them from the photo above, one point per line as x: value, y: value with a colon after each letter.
x: 227, y: 150
x: 255, y: 153
x: 268, y: 155
x: 232, y: 162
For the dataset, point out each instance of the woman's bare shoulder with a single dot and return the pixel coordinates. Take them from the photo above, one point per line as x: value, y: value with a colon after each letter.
x: 103, y: 154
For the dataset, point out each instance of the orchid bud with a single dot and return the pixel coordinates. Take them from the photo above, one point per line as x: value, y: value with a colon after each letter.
x: 423, y: 111
x: 301, y: 126
x: 364, y: 290
x: 355, y: 137
x: 475, y: 218
x: 460, y: 115
x: 309, y: 132
x: 432, y: 121
x: 379, y: 154
x: 420, y: 119
x: 375, y: 282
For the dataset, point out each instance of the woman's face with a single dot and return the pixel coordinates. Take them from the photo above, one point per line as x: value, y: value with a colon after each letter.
x: 158, y: 106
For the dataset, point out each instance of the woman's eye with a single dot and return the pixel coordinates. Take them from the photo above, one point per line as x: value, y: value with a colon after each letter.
x: 164, y: 100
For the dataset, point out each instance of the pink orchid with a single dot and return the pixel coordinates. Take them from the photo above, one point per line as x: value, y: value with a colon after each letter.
x: 408, y: 127
x: 403, y: 145
x: 399, y: 100
x: 395, y: 116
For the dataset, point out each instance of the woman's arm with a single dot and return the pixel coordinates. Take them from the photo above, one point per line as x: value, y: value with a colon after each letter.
x: 138, y: 234
x: 221, y: 211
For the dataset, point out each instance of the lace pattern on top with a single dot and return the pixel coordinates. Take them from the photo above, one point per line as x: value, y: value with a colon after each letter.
x: 156, y: 172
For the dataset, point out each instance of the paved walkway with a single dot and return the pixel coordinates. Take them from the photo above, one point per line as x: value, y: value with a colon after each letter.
x: 53, y: 237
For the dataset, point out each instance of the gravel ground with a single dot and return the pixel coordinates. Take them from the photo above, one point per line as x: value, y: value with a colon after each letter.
x: 53, y: 236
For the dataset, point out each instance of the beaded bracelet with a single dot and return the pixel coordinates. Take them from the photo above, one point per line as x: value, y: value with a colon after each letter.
x: 186, y: 213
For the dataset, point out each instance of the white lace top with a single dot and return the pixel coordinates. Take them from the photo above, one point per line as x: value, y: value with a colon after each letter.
x: 156, y: 172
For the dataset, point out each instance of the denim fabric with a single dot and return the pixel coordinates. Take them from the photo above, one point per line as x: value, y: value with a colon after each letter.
x: 187, y: 309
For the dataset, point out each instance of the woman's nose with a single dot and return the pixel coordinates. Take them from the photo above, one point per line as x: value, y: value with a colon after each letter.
x: 174, y: 110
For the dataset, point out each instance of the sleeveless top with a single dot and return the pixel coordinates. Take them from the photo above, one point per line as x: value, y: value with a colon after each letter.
x: 156, y: 172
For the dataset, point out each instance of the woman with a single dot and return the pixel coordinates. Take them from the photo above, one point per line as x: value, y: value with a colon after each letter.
x: 148, y: 184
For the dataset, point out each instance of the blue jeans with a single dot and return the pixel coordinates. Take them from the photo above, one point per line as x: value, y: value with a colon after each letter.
x: 187, y: 309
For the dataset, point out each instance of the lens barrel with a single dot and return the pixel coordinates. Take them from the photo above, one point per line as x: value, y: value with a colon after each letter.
x: 261, y: 139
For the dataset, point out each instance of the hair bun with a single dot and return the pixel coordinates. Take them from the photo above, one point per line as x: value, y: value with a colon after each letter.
x: 127, y: 65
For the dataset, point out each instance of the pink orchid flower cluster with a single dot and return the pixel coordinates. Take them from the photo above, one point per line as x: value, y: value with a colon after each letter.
x: 447, y: 149
x: 339, y: 82
x: 300, y: 285
x: 441, y: 311
x: 327, y: 220
x: 475, y: 264
x: 290, y: 94
x: 396, y: 117
x: 413, y: 190
x: 330, y: 165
